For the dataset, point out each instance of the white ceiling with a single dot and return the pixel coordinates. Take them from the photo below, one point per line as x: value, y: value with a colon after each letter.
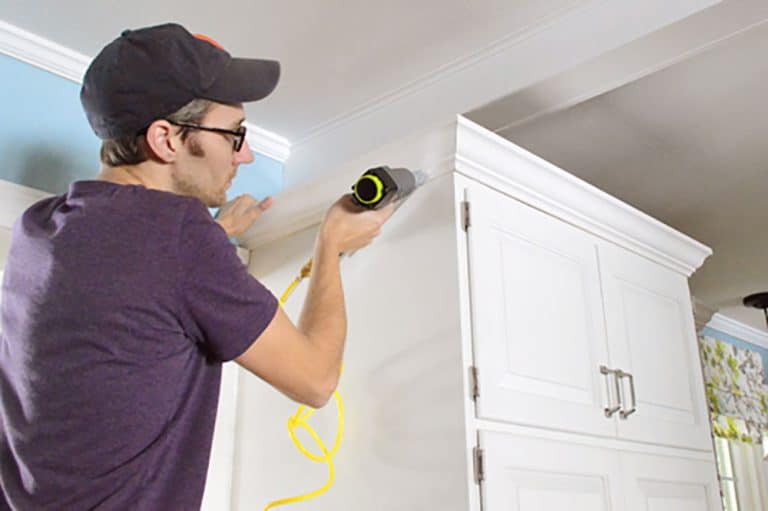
x: 336, y: 55
x: 359, y: 74
x: 659, y: 108
x: 687, y: 144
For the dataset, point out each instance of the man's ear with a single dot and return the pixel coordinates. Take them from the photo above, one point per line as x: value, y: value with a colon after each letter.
x: 162, y: 142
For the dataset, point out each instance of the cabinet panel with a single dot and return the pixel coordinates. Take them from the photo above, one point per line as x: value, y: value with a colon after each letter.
x: 525, y: 474
x: 664, y: 483
x: 537, y: 317
x: 652, y: 336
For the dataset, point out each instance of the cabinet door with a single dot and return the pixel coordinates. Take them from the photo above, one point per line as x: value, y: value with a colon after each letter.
x: 665, y: 483
x: 652, y: 336
x: 527, y: 474
x: 537, y: 317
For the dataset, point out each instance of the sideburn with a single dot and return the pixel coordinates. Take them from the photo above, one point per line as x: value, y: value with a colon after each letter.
x: 194, y: 147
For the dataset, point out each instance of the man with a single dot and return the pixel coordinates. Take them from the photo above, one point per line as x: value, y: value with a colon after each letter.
x: 123, y: 297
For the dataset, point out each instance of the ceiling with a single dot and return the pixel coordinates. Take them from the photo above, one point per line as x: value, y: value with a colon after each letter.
x: 656, y: 102
x: 336, y: 55
x: 359, y: 74
x: 688, y: 144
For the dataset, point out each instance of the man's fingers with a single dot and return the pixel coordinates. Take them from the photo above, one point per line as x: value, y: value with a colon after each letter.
x: 265, y: 204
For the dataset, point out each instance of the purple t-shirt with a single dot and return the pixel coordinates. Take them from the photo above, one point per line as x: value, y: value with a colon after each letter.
x: 119, y: 306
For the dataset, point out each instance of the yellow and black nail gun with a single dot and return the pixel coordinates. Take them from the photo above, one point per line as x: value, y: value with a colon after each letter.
x: 382, y: 185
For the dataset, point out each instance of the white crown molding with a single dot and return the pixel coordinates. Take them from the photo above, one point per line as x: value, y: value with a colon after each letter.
x: 738, y: 330
x: 574, y: 35
x: 483, y: 155
x: 62, y: 61
x: 268, y: 143
x: 42, y: 53
x: 480, y: 154
x: 443, y: 72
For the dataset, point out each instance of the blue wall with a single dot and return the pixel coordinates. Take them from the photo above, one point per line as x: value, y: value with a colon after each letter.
x: 739, y: 343
x: 46, y: 142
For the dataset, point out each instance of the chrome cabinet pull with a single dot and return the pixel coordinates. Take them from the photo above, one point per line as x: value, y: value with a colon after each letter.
x: 626, y: 413
x: 610, y: 410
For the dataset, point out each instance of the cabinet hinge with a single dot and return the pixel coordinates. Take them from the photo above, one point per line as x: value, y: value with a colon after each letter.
x: 477, y: 454
x: 465, y: 222
x: 474, y: 387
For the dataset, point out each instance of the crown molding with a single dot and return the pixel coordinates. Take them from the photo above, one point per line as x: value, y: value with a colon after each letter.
x: 62, y: 61
x: 42, y: 53
x: 267, y: 143
x: 468, y: 149
x: 739, y: 330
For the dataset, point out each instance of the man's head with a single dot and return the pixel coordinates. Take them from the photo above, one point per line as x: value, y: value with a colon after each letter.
x: 163, y: 95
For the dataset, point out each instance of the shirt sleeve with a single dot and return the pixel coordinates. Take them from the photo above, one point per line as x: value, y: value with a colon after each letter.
x: 223, y: 307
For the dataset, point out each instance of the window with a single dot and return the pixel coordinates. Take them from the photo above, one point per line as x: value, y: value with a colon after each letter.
x: 725, y: 474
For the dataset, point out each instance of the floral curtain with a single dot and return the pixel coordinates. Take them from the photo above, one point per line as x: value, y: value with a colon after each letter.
x: 736, y: 392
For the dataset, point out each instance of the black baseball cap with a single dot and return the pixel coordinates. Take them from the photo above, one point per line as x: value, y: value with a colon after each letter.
x: 149, y: 73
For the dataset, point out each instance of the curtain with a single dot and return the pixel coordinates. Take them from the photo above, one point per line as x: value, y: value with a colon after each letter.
x: 736, y: 392
x: 738, y: 405
x: 750, y: 475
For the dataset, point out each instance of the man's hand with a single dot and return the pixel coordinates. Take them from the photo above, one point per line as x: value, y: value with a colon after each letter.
x: 237, y: 216
x: 348, y: 227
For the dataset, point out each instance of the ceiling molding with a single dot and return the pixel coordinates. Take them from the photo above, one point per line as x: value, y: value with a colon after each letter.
x: 62, y: 61
x: 267, y: 143
x: 443, y: 72
x: 738, y: 330
x: 42, y: 53
x: 471, y: 150
x: 557, y: 44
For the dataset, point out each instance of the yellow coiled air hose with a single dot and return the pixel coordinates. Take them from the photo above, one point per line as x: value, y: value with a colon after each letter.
x: 299, y: 419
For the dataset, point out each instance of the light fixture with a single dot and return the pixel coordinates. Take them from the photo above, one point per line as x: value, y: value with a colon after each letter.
x: 758, y: 301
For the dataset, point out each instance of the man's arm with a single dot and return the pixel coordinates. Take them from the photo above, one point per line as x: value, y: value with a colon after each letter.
x: 304, y: 363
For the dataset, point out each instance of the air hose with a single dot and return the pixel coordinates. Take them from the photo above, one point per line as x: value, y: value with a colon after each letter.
x: 299, y: 419
x: 377, y: 187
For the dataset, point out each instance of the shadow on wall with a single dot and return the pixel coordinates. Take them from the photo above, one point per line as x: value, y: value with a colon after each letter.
x: 47, y: 167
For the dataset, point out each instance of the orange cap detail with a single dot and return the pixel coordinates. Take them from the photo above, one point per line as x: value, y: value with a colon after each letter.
x: 211, y: 40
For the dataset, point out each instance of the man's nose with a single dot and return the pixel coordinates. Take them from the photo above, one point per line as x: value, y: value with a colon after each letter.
x: 244, y: 155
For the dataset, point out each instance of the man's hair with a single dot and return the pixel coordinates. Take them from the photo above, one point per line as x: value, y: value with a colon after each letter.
x: 132, y: 150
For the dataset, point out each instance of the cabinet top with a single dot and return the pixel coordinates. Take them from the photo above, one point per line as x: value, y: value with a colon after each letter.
x: 466, y: 148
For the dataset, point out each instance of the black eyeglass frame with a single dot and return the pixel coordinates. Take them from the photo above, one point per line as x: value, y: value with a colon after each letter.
x: 239, y: 133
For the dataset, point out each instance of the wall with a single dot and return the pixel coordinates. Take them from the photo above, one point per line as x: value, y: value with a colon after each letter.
x: 46, y: 142
x: 739, y: 343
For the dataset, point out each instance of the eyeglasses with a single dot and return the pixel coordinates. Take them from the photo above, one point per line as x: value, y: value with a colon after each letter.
x: 238, y: 134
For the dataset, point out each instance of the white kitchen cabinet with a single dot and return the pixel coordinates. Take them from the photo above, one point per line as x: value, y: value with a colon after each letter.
x: 668, y: 483
x: 536, y: 474
x: 538, y: 326
x: 531, y: 474
x: 652, y: 338
x: 486, y: 326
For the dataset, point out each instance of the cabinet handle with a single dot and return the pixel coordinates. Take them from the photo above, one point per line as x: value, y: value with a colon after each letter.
x: 610, y: 410
x: 626, y: 413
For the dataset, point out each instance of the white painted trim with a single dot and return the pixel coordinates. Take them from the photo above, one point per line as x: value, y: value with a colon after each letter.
x: 536, y: 54
x: 501, y: 45
x: 15, y: 199
x: 492, y: 159
x: 62, y: 61
x: 738, y: 330
x: 42, y: 53
x: 480, y: 154
x: 268, y: 143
